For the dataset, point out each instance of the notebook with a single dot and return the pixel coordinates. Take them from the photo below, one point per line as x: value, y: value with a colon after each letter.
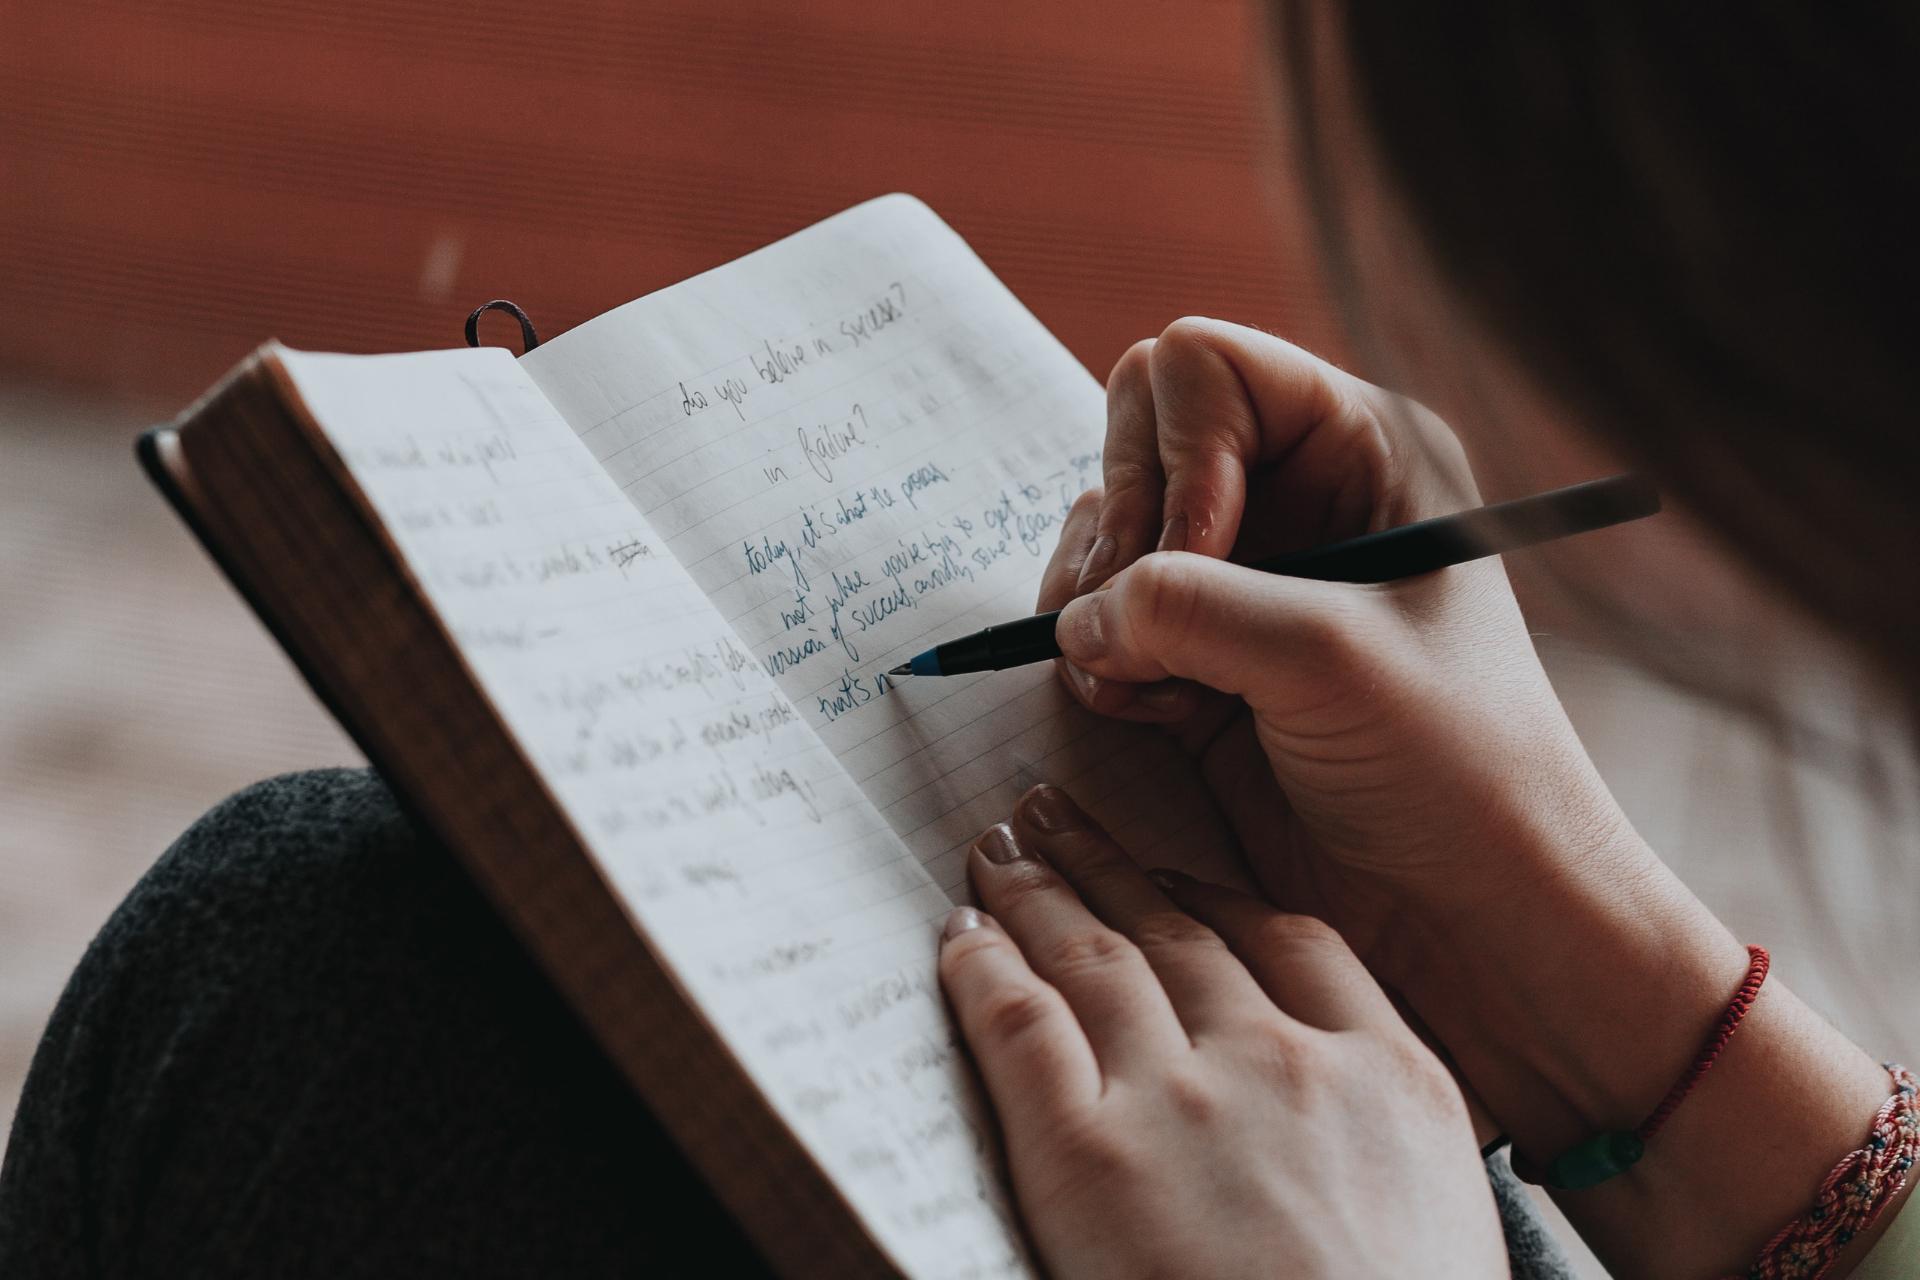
x: 613, y: 619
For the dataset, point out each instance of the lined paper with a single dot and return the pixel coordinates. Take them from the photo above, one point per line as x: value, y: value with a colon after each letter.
x: 774, y: 889
x: 859, y: 443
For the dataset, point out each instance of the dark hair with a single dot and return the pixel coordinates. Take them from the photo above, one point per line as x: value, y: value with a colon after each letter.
x: 1691, y: 224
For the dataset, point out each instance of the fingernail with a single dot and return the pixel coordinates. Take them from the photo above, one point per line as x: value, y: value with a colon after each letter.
x: 1099, y: 559
x: 1051, y: 809
x: 1169, y: 879
x: 998, y: 844
x: 1174, y: 536
x: 959, y: 920
x: 1166, y: 696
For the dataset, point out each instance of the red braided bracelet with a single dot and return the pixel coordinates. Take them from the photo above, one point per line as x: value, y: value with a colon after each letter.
x: 1605, y: 1155
x: 1854, y: 1195
x: 1758, y: 962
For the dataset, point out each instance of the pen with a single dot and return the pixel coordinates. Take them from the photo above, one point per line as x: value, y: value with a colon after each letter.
x: 1402, y: 552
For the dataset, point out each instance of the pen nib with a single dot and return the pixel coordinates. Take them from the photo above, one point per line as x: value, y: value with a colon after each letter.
x: 904, y: 669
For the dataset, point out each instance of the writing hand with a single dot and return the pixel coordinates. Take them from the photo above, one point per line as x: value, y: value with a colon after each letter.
x: 1395, y: 762
x: 1379, y: 750
x: 1191, y: 1083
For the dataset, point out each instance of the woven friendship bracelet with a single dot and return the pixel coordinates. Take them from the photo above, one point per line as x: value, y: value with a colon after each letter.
x: 1852, y: 1198
x: 1609, y: 1154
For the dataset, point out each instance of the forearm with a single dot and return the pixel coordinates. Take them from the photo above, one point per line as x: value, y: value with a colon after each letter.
x: 1574, y: 996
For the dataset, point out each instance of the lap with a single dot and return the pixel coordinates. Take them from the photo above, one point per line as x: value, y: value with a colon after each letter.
x: 306, y: 1045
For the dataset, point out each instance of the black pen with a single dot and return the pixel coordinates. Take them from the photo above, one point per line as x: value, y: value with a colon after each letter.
x: 1402, y: 552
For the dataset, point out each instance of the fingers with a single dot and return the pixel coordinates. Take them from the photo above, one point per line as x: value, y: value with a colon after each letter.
x: 1227, y: 400
x: 1302, y: 964
x: 1207, y: 986
x: 1070, y: 553
x: 1120, y: 1004
x: 1270, y: 639
x: 1196, y: 412
x: 1130, y: 463
x: 1033, y: 1056
x: 1191, y: 413
x: 1160, y: 703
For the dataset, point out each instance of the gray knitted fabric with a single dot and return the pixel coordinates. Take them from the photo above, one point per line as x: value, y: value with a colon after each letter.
x: 305, y: 1046
x: 1532, y: 1251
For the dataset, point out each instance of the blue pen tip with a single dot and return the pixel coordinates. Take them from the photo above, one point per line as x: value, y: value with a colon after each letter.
x: 925, y: 664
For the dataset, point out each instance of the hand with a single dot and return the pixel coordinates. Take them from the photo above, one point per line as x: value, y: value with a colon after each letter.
x: 1395, y: 762
x: 1173, y: 1106
x: 1384, y: 753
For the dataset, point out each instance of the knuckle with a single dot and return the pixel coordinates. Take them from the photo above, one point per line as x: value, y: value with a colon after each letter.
x: 1298, y: 1060
x: 1277, y: 1055
x: 970, y: 948
x: 1401, y: 1052
x: 1173, y: 929
x: 1011, y: 1014
x: 1431, y: 1086
x: 1296, y: 934
x: 1394, y: 1059
x: 1195, y: 1099
x: 1098, y: 1153
x: 1127, y: 477
x: 1027, y: 888
x: 1084, y: 952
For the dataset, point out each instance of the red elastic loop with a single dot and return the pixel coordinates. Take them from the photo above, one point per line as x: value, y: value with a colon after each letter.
x: 1758, y: 964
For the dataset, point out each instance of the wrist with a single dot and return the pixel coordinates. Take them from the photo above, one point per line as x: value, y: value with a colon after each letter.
x: 1572, y: 988
x: 1573, y: 996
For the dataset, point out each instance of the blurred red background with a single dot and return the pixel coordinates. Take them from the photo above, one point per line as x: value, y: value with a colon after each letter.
x: 185, y: 178
x: 181, y: 180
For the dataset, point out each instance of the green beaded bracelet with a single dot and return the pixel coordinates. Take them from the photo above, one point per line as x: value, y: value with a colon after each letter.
x: 1592, y: 1162
x: 1608, y: 1155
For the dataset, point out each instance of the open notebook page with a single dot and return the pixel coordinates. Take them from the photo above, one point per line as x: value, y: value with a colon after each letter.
x: 861, y: 444
x: 773, y: 888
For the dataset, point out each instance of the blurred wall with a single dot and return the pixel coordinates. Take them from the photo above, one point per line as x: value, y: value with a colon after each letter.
x: 185, y: 178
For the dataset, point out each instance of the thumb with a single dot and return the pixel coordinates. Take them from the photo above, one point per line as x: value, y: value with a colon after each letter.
x: 1229, y: 627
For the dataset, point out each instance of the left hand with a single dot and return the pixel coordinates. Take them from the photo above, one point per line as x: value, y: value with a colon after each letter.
x: 1191, y: 1083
